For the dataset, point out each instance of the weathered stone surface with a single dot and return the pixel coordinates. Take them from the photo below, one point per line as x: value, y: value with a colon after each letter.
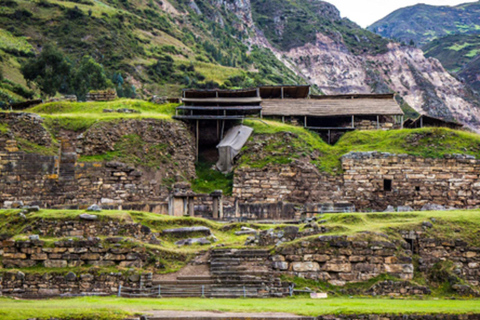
x: 90, y: 217
x: 305, y: 266
x: 55, y: 263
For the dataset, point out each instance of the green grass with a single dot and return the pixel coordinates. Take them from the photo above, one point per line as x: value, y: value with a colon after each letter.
x: 209, y: 180
x: 15, y: 45
x: 4, y: 128
x: 79, y: 116
x: 118, y: 308
x: 425, y: 142
x: 131, y: 149
x: 456, y: 224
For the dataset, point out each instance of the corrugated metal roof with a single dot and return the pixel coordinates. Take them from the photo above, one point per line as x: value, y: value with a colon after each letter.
x: 330, y: 107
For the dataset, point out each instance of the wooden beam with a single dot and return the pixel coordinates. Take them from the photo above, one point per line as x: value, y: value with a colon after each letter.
x: 378, y: 122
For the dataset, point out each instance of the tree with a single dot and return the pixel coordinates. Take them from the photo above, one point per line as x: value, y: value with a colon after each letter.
x: 89, y: 75
x: 50, y: 70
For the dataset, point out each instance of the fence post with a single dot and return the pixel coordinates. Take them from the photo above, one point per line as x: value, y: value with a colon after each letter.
x: 120, y: 290
x: 203, y: 291
x: 159, y: 291
x: 291, y: 290
x: 244, y: 292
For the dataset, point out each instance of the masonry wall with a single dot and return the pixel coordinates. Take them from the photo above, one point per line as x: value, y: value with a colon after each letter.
x: 61, y: 180
x: 296, y: 182
x: 452, y: 181
x: 415, y: 181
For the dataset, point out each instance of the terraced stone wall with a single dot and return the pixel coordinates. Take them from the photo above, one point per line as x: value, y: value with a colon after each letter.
x: 340, y: 260
x: 70, y: 253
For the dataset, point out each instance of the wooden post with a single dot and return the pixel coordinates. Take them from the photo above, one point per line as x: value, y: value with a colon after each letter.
x: 258, y: 92
x: 216, y: 94
x: 283, y: 119
x: 353, y: 122
x: 421, y: 122
x: 378, y: 122
x: 402, y: 121
x: 197, y: 138
x: 329, y: 140
x: 281, y: 89
x: 305, y: 122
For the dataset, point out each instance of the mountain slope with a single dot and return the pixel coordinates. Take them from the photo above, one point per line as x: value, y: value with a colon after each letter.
x: 459, y: 54
x: 423, y: 23
x: 160, y: 47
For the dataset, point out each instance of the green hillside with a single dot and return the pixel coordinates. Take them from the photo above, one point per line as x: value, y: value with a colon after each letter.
x: 459, y: 54
x: 142, y: 48
x: 423, y: 23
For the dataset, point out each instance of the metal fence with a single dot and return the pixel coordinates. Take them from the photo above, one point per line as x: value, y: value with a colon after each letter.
x: 202, y: 291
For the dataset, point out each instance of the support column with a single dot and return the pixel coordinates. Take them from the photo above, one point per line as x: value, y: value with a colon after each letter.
x: 191, y: 207
x: 378, y: 122
x: 353, y: 122
x: 197, y: 137
x: 215, y: 208
x: 329, y: 140
x: 305, y: 122
x: 402, y: 122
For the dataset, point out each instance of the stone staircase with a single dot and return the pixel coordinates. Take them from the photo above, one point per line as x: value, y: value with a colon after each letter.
x: 244, y: 273
x: 233, y: 274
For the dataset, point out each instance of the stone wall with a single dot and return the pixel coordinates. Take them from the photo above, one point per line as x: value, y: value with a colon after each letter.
x: 86, y: 229
x: 465, y: 258
x: 298, y: 182
x: 70, y: 253
x: 61, y: 180
x: 53, y: 284
x: 339, y: 259
x: 414, y: 181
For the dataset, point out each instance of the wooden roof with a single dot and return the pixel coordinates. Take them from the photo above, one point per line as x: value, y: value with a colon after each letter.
x: 289, y: 92
x: 353, y: 96
x: 240, y: 101
x: 330, y: 107
x: 428, y: 121
x: 243, y: 93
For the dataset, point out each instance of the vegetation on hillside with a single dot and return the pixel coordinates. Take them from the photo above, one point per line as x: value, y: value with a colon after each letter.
x: 423, y: 23
x: 459, y: 54
x: 143, y: 49
x: 290, y: 24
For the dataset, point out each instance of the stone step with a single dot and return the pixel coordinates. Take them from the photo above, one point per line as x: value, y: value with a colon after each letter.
x: 182, y: 278
x: 182, y: 282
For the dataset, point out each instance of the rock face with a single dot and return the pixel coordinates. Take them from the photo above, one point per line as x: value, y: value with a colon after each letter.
x: 423, y: 83
x: 337, y: 62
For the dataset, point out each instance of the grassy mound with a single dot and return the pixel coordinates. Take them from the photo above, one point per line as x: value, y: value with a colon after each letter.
x: 79, y: 116
x: 425, y: 142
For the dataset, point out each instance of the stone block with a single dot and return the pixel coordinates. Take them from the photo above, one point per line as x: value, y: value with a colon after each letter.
x: 55, y: 263
x: 305, y: 266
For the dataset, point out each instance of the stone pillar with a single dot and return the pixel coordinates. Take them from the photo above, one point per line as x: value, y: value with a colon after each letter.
x: 191, y: 207
x: 217, y: 197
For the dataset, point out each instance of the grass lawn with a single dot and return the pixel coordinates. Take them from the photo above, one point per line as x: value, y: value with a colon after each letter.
x: 113, y: 308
